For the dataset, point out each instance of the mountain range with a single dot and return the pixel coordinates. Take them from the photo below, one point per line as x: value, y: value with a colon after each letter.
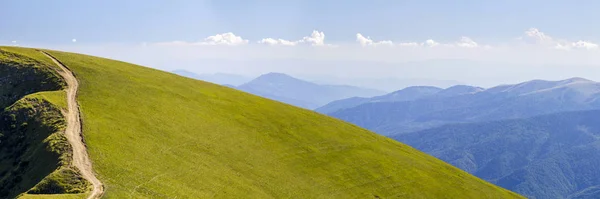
x: 388, y: 84
x: 549, y: 156
x: 461, y: 104
x: 406, y: 94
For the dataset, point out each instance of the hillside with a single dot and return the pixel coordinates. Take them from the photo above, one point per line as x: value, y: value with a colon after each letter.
x: 525, y: 99
x: 550, y: 156
x: 152, y: 134
x: 290, y: 90
x: 35, y: 156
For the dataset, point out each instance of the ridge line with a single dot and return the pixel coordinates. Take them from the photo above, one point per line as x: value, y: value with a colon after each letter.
x: 74, y: 132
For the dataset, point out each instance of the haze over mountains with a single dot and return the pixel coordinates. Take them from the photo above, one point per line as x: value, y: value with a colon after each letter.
x: 217, y: 78
x: 387, y: 84
x: 453, y: 106
x: 287, y: 89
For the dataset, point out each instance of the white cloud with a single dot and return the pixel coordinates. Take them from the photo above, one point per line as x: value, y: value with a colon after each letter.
x: 316, y: 39
x: 538, y: 35
x: 536, y: 39
x: 224, y: 39
x: 363, y: 40
x: 562, y: 47
x: 228, y: 39
x: 431, y: 43
x: 467, y: 43
x: 560, y: 44
x: 74, y: 40
x: 410, y: 44
x: 584, y: 44
x: 464, y: 42
x: 367, y: 41
x: 274, y: 42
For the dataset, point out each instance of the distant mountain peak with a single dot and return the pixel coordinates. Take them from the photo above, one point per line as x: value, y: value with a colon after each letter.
x: 538, y: 85
x: 463, y: 87
x: 275, y: 74
x: 275, y: 77
x: 459, y: 90
x: 415, y: 90
x: 576, y: 80
x: 421, y: 88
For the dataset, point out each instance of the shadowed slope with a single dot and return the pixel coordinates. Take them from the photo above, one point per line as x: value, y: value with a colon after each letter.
x: 35, y: 157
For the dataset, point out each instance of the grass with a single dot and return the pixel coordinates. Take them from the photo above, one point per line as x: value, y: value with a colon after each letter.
x: 152, y: 134
x: 57, y: 98
x: 22, y: 75
x: 54, y: 196
x: 34, y: 153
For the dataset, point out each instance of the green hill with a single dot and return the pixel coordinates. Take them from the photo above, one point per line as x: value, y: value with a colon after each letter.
x: 152, y: 134
x: 34, y: 154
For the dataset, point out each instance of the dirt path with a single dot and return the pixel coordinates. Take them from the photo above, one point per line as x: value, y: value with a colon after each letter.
x: 73, y: 132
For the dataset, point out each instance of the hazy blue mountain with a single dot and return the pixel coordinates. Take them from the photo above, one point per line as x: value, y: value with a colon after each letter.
x: 458, y: 90
x: 389, y: 84
x: 406, y: 94
x: 549, y: 156
x: 287, y: 89
x: 217, y: 78
x: 471, y: 104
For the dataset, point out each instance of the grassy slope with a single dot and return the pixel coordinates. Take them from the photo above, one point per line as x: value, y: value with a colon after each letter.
x: 35, y: 144
x: 153, y: 134
x: 53, y: 196
x: 55, y: 97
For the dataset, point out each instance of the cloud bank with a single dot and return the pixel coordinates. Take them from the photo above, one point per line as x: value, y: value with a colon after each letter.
x: 315, y: 39
x: 367, y: 41
x: 228, y: 39
x: 532, y: 36
x: 542, y: 38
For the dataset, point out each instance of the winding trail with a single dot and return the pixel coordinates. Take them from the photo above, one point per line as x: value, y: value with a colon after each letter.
x: 81, y: 160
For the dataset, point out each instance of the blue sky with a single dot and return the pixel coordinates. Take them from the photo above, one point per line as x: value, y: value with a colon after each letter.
x: 503, y: 41
x: 153, y: 21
